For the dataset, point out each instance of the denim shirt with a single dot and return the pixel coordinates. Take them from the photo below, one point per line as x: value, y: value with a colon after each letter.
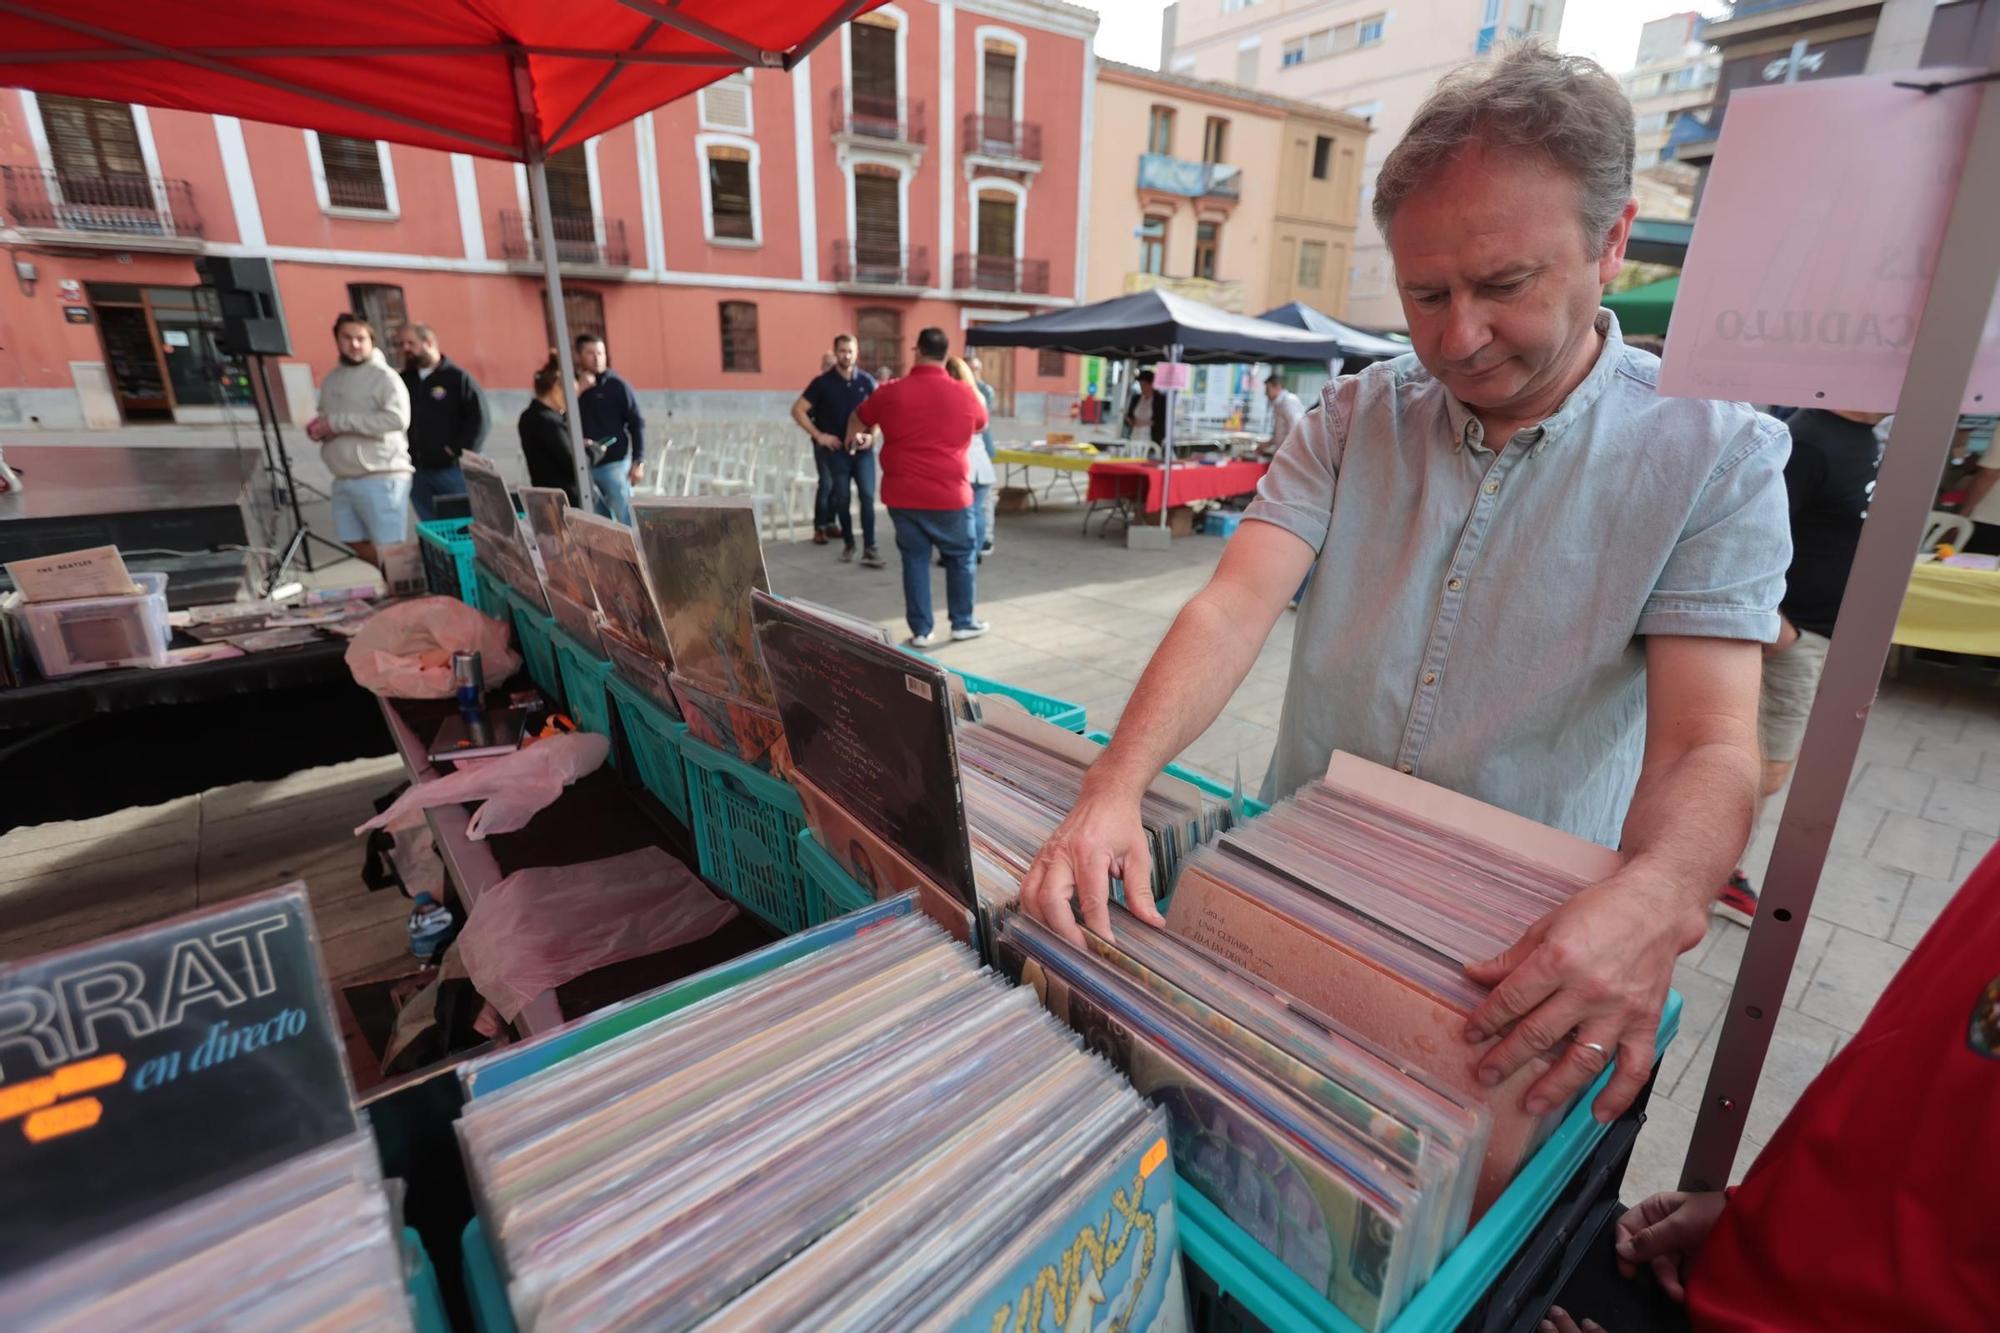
x: 1477, y: 614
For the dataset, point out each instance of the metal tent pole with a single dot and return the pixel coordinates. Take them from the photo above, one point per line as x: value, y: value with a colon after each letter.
x: 1167, y: 445
x: 538, y: 189
x: 1941, y: 359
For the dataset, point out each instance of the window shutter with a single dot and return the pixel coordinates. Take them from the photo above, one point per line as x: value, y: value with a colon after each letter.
x: 872, y: 60
x: 353, y: 171
x: 996, y: 226
x: 999, y: 100
x: 726, y: 105
x: 878, y: 337
x: 569, y: 187
x: 729, y: 194
x: 739, y: 336
x: 878, y: 215
x: 89, y: 137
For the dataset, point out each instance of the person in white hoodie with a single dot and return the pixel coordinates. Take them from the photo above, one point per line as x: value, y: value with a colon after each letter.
x: 364, y: 412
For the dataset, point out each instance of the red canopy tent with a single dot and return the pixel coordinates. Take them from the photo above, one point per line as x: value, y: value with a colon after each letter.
x: 512, y: 79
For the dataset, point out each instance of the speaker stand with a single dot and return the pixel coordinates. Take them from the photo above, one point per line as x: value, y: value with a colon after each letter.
x: 300, y: 545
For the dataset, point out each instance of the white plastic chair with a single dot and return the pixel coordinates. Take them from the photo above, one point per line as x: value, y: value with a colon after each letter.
x: 1942, y: 527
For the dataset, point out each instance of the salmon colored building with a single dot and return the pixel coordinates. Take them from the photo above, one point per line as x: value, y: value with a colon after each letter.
x: 924, y: 166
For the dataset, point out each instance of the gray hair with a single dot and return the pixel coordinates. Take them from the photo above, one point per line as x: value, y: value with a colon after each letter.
x: 1564, y: 109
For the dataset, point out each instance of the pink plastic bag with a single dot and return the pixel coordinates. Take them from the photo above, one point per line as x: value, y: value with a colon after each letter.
x: 514, y: 787
x: 540, y: 927
x: 404, y: 651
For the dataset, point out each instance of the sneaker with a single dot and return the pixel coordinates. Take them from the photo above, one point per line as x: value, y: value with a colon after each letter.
x: 986, y: 549
x: 871, y: 559
x: 972, y: 631
x: 819, y: 536
x: 936, y: 638
x: 846, y: 554
x: 1738, y: 901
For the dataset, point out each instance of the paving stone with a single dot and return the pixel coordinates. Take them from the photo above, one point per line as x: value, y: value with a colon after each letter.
x: 1921, y: 906
x: 1946, y: 758
x: 1851, y: 977
x: 1860, y: 894
x: 1892, y: 788
x: 1966, y: 805
x: 1919, y: 846
x: 1725, y: 956
x: 1971, y: 851
x: 1799, y: 1049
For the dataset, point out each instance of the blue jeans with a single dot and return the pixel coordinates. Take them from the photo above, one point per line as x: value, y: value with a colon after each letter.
x: 951, y: 531
x: 614, y: 492
x: 858, y: 470
x: 982, y: 513
x: 823, y: 497
x: 431, y: 484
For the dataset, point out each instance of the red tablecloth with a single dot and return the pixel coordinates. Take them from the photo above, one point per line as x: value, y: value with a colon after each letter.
x: 1192, y: 481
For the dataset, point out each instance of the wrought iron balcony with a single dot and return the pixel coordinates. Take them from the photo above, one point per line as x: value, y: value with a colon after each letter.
x: 991, y: 136
x: 999, y: 273
x: 1189, y: 180
x: 885, y: 120
x: 580, y: 241
x: 99, y: 208
x: 880, y: 266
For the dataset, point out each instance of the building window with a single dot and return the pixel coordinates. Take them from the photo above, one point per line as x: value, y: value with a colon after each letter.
x: 1215, y: 140
x: 739, y: 336
x: 725, y: 105
x: 1049, y: 363
x: 872, y: 71
x: 1236, y: 6
x: 569, y: 194
x: 90, y: 140
x: 1537, y: 15
x: 1492, y: 14
x: 1160, y: 130
x: 353, y: 171
x: 731, y: 213
x: 380, y: 304
x: 583, y: 310
x: 1352, y: 36
x: 1368, y: 32
x: 999, y: 63
x: 1246, y: 64
x: 1293, y: 53
x: 1312, y: 264
x: 878, y: 221
x: 1206, y: 237
x: 1322, y: 156
x: 878, y: 340
x: 1153, y: 245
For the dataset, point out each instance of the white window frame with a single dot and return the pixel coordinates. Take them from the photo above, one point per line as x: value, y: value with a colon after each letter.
x: 749, y: 106
x: 1379, y: 23
x: 1000, y: 185
x: 704, y: 142
x: 391, y: 213
x: 901, y: 21
x: 142, y: 129
x: 988, y: 32
x: 901, y: 166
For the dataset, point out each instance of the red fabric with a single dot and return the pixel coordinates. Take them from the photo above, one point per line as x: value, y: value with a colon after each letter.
x: 1872, y: 1206
x: 928, y: 420
x: 1192, y: 481
x: 450, y: 71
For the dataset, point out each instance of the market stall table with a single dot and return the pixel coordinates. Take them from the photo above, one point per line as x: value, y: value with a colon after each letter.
x: 1132, y: 487
x: 1951, y: 609
x: 1062, y: 462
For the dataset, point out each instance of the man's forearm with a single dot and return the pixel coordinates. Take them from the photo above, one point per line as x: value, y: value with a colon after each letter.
x: 1975, y: 490
x: 1688, y: 822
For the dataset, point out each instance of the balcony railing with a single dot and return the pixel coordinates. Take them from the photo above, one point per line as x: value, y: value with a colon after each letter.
x: 998, y: 273
x: 1222, y: 293
x: 992, y: 136
x: 1190, y: 180
x: 881, y: 266
x: 582, y: 241
x: 893, y: 120
x: 100, y: 205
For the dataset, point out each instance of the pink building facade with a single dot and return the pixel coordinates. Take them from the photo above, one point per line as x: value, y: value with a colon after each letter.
x: 925, y: 166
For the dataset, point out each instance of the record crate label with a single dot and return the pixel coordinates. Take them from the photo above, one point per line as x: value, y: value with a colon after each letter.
x: 143, y: 1070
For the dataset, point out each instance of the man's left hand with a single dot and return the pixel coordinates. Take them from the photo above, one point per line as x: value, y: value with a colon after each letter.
x: 632, y: 473
x: 1599, y: 966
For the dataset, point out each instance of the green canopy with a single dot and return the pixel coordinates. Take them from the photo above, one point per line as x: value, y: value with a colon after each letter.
x: 1645, y: 309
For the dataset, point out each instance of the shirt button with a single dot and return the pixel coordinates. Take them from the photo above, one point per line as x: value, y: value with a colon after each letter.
x: 1455, y: 584
x: 1407, y: 768
x: 1492, y: 487
x: 1430, y: 677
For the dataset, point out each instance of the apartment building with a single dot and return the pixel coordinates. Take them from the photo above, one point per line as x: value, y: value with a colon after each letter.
x: 1368, y: 58
x: 1239, y: 199
x: 926, y: 166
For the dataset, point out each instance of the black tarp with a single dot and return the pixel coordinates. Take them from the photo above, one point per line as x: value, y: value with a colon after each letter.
x: 1145, y: 325
x: 1356, y: 345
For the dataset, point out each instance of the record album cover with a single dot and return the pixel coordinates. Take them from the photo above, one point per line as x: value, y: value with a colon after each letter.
x: 705, y: 559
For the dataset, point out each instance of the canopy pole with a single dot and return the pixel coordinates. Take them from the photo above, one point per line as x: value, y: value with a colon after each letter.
x: 1167, y: 442
x: 538, y: 189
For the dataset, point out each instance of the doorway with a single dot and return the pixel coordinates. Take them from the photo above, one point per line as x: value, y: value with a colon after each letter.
x: 161, y: 345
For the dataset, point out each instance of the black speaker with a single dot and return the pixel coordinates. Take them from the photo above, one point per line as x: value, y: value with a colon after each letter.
x: 253, y: 319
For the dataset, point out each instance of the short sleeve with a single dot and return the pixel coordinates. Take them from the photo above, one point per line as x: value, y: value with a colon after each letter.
x: 1726, y: 574
x: 1296, y: 493
x: 870, y: 410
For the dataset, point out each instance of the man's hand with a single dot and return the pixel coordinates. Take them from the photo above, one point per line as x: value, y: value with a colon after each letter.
x: 316, y: 429
x: 1103, y: 837
x: 826, y: 441
x: 1663, y: 1233
x: 861, y: 440
x: 1599, y: 966
x: 632, y: 473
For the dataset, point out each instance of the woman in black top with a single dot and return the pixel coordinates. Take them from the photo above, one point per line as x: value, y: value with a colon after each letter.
x: 545, y: 434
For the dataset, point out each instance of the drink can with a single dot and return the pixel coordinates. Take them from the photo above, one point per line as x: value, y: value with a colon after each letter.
x: 468, y: 679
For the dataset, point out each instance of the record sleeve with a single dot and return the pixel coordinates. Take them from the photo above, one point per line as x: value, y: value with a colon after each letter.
x: 705, y: 560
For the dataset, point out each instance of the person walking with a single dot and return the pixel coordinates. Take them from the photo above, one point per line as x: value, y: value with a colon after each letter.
x: 844, y: 463
x: 447, y: 417
x: 544, y: 431
x: 991, y: 496
x: 926, y: 420
x: 613, y: 431
x: 1286, y: 411
x: 364, y: 412
x: 978, y: 463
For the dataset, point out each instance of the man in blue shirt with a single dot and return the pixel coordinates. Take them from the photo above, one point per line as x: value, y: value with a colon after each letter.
x: 822, y: 412
x: 612, y: 428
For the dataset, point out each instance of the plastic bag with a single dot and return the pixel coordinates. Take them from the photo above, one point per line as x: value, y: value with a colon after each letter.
x: 541, y: 927
x: 404, y: 651
x: 514, y: 787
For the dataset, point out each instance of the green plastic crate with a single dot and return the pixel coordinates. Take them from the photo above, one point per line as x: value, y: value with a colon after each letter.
x: 420, y: 1277
x: 536, y: 634
x: 489, y: 593
x: 830, y: 890
x: 1251, y: 805
x: 446, y: 545
x: 1060, y: 712
x: 1283, y: 1302
x: 746, y: 829
x: 653, y: 735
x: 585, y: 677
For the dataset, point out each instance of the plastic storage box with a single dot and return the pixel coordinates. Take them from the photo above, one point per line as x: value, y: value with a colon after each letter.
x: 1061, y: 712
x: 1251, y: 805
x: 446, y: 545
x: 1221, y: 522
x: 830, y: 890
x: 488, y: 593
x: 583, y: 676
x: 653, y: 737
x: 536, y: 634
x: 746, y: 828
x: 97, y: 633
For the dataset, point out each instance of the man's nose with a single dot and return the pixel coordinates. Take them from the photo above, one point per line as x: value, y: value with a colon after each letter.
x: 1466, y: 332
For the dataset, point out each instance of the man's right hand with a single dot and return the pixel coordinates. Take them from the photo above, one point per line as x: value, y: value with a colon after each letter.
x: 1102, y: 838
x: 1664, y: 1232
x: 826, y: 441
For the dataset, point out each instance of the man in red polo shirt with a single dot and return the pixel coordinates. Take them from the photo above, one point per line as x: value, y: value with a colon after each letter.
x: 927, y: 419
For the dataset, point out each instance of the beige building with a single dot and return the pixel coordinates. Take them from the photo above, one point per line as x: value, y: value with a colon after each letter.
x: 1369, y: 58
x: 1240, y: 199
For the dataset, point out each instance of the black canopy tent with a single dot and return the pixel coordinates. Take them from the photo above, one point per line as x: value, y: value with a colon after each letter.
x: 1158, y: 325
x: 1357, y: 346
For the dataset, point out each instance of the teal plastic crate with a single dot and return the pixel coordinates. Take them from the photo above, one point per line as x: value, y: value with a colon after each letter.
x: 446, y: 545
x: 746, y: 829
x: 830, y: 890
x: 420, y: 1278
x: 1060, y: 712
x: 1251, y: 805
x: 653, y: 736
x: 488, y: 593
x: 485, y: 1290
x: 585, y: 682
x: 1283, y: 1302
x: 535, y: 635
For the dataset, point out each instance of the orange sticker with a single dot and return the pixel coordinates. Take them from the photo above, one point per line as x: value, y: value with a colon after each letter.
x: 84, y: 1075
x: 25, y: 1097
x: 1151, y: 1161
x: 68, y: 1118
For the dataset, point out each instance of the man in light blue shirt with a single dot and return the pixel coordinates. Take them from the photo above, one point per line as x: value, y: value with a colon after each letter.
x: 1540, y: 583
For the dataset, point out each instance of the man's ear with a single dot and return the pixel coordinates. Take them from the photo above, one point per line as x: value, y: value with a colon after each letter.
x: 1615, y: 240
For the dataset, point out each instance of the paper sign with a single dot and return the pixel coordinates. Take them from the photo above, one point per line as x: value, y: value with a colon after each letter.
x: 97, y: 572
x: 174, y: 337
x: 1815, y: 245
x: 1172, y: 375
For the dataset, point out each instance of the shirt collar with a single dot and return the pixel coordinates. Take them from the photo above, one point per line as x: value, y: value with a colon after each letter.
x: 926, y: 368
x: 1464, y: 424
